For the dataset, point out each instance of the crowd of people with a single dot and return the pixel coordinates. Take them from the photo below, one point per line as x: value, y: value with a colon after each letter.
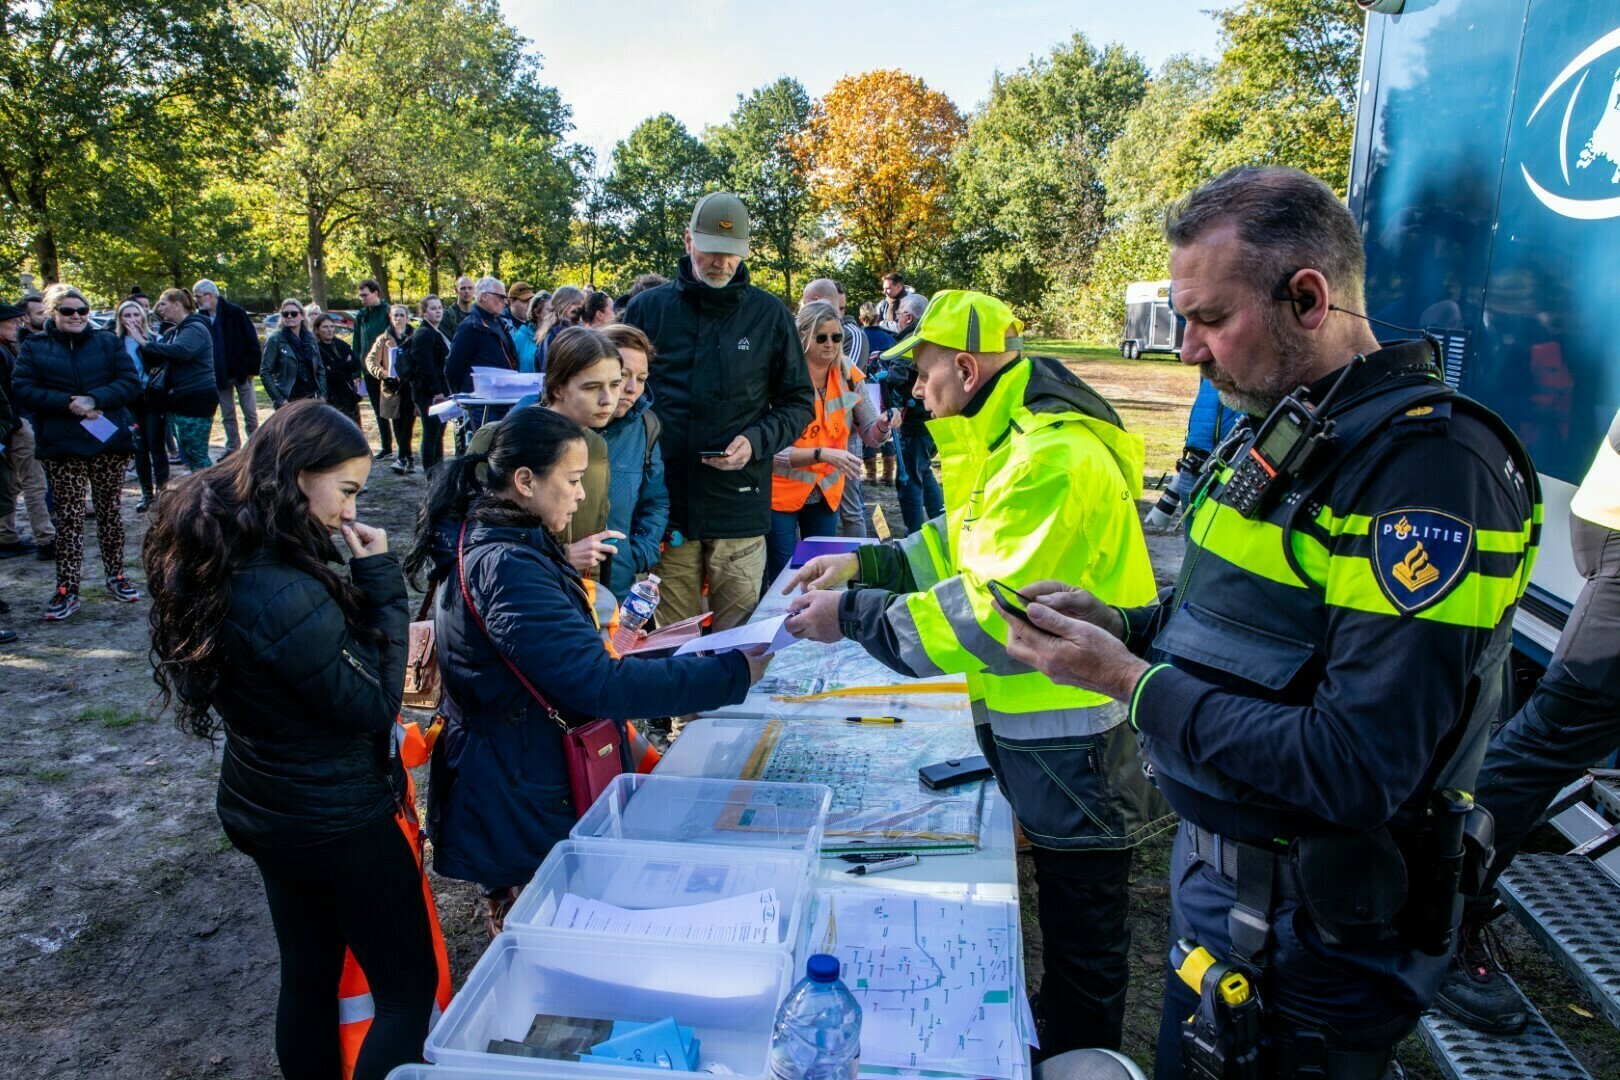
x: 696, y: 429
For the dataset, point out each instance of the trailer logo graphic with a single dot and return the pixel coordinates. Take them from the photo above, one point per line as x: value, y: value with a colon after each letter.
x: 1602, y: 145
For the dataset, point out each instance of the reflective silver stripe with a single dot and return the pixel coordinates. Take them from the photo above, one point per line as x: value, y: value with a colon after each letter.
x: 958, y: 609
x: 1051, y: 723
x: 918, y: 556
x: 352, y: 1010
x: 790, y: 473
x: 911, y: 649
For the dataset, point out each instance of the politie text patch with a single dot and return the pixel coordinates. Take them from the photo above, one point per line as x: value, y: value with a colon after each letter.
x: 1419, y: 555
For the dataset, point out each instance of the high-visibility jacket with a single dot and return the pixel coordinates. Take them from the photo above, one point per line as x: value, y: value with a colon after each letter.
x: 355, y: 1007
x: 829, y: 429
x: 1041, y: 482
x: 1598, y: 498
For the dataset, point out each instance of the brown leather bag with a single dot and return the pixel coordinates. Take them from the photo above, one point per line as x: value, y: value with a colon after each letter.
x: 422, y: 686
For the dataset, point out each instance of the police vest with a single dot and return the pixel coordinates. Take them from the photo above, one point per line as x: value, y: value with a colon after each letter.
x: 1250, y: 601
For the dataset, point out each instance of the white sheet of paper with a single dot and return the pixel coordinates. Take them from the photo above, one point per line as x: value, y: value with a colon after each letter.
x: 772, y: 633
x: 393, y: 361
x: 874, y: 394
x: 101, y: 427
x: 448, y: 409
x: 749, y: 919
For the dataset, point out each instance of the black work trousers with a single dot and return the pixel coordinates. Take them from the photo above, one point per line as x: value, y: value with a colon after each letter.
x: 1572, y: 720
x: 385, y: 430
x: 362, y: 890
x: 1085, y: 948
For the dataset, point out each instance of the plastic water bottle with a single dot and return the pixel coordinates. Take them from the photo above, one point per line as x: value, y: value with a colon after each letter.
x: 818, y: 1027
x: 636, y: 612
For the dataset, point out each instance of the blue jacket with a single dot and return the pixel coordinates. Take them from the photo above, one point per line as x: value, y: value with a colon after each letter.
x: 638, y: 501
x: 1209, y: 420
x: 498, y: 795
x: 481, y: 341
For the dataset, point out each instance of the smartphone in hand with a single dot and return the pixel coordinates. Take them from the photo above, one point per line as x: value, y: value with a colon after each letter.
x: 1010, y: 601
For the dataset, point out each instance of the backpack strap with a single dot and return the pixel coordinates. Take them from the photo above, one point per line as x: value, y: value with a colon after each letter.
x: 654, y: 428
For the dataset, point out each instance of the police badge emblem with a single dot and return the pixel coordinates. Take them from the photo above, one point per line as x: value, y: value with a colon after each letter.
x: 1419, y: 556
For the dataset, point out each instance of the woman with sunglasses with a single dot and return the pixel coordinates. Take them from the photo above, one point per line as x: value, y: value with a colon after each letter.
x: 79, y: 384
x: 151, y: 459
x: 292, y: 366
x: 807, y: 478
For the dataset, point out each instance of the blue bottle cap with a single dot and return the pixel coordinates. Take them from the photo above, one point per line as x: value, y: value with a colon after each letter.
x: 822, y: 968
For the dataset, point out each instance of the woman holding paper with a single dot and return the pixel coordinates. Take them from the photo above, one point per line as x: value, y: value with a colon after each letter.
x: 807, y: 478
x: 79, y: 382
x: 521, y: 656
x: 395, y: 405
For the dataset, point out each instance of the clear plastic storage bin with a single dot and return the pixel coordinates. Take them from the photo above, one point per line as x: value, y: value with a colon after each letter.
x: 721, y: 886
x: 728, y: 996
x: 440, y: 1072
x: 503, y: 383
x: 697, y: 810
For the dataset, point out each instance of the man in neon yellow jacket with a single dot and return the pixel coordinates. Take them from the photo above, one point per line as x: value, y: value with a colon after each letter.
x: 1041, y: 482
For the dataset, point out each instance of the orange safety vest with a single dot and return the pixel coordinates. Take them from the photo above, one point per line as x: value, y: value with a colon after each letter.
x: 829, y: 430
x: 355, y: 1008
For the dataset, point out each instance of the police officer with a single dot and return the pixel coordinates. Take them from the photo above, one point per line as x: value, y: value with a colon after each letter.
x: 1040, y: 478
x: 1318, y: 685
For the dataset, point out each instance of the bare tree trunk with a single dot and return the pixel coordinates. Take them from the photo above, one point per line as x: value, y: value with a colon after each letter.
x: 495, y: 264
x: 315, y: 257
x: 430, y: 255
x: 379, y: 269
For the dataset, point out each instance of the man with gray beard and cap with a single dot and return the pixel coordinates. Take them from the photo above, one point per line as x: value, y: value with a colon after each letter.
x: 731, y: 388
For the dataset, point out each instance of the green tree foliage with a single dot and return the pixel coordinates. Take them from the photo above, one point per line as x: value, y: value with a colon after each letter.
x: 754, y: 151
x: 1285, y: 90
x: 97, y: 87
x: 658, y: 173
x: 1030, y: 201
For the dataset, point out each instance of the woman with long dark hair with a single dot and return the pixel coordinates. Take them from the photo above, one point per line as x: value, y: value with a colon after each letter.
x: 255, y: 634
x: 511, y: 613
x: 343, y: 387
x: 421, y: 369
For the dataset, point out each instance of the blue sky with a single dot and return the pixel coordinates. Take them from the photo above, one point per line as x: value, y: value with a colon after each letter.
x: 619, y: 62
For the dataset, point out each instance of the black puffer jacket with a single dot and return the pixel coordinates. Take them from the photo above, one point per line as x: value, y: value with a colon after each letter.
x: 55, y: 367
x: 729, y: 363
x: 184, y: 355
x: 309, y: 709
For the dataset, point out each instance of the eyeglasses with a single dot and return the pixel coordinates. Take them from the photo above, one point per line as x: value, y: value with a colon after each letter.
x: 822, y: 339
x: 72, y: 312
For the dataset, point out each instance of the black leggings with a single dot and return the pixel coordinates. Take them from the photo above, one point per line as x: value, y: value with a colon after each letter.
x: 362, y: 890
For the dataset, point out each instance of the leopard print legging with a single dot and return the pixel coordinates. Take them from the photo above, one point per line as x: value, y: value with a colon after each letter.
x: 103, y: 474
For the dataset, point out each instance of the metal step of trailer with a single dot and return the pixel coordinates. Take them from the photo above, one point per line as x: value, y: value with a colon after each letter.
x: 1572, y: 907
x: 1465, y: 1054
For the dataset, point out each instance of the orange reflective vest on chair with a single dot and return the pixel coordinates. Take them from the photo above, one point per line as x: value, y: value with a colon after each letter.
x: 829, y: 430
x: 355, y: 1008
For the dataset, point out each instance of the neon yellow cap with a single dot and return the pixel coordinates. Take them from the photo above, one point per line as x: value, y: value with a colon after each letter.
x: 965, y: 321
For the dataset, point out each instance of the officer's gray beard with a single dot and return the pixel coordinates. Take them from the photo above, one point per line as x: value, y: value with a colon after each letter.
x: 1296, y: 360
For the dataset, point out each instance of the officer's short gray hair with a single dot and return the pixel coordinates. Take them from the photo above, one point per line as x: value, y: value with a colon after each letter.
x: 488, y: 285
x: 204, y: 287
x: 914, y: 304
x: 1287, y: 220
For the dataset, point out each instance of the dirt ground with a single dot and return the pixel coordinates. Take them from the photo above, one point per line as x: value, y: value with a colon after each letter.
x: 137, y: 940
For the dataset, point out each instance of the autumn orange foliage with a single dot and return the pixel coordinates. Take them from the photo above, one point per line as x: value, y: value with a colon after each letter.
x: 878, y: 149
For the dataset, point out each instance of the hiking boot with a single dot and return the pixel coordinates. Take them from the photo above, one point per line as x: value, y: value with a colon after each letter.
x: 46, y: 552
x: 385, y: 452
x: 14, y: 549
x: 122, y: 590
x: 888, y: 470
x: 1475, y: 991
x: 61, y: 606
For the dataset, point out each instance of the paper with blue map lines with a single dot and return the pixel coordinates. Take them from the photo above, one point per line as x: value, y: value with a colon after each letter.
x: 938, y: 981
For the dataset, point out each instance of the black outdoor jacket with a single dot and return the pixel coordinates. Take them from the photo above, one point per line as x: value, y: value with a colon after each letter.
x: 728, y: 363
x: 309, y: 708
x: 185, y: 354
x: 53, y: 368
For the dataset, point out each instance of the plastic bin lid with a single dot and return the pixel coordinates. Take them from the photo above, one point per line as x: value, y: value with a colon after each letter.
x: 701, y: 810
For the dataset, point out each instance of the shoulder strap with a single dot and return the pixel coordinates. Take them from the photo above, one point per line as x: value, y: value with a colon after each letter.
x: 654, y: 428
x: 466, y: 595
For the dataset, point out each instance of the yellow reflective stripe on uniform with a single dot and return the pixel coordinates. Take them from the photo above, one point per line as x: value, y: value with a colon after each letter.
x: 1313, y: 556
x: 1349, y: 525
x: 1503, y: 540
x: 1257, y: 546
x: 1479, y: 600
x: 909, y: 641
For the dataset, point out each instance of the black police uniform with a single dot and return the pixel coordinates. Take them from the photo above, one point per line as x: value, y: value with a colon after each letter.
x: 1322, y: 670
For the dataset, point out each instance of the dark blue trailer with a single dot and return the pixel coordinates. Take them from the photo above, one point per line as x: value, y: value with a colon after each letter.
x: 1486, y: 180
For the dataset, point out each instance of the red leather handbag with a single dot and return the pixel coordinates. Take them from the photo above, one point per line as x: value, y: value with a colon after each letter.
x: 591, y: 750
